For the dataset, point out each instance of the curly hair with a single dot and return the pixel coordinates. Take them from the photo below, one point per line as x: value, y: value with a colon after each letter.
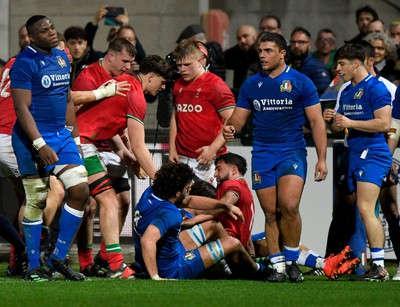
x: 172, y: 178
x: 387, y: 41
x: 233, y: 159
x: 157, y: 65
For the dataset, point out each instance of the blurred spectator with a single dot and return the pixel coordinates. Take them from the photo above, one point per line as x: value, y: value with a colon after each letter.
x: 385, y: 56
x: 270, y: 23
x: 303, y: 61
x: 242, y: 55
x: 326, y: 49
x: 82, y: 54
x: 394, y: 31
x: 376, y: 26
x: 364, y: 15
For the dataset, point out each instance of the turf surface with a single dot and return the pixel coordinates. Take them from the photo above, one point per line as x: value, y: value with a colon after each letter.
x: 315, y: 291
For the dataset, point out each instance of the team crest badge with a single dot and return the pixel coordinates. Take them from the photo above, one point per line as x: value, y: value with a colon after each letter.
x: 190, y: 256
x: 359, y: 94
x: 61, y: 62
x: 286, y: 86
x: 256, y: 178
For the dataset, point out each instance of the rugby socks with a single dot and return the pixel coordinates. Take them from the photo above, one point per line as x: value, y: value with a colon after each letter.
x: 85, y: 255
x: 278, y: 262
x: 311, y: 259
x: 103, y: 251
x: 378, y: 256
x: 114, y: 256
x: 32, y: 231
x: 291, y: 254
x: 70, y: 221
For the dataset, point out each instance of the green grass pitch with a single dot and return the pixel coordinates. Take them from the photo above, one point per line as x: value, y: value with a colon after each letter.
x: 315, y: 291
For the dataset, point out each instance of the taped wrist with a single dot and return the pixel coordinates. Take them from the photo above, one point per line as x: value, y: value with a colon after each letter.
x: 105, y: 91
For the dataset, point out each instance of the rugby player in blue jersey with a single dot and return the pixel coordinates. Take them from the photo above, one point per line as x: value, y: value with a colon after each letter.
x: 43, y: 141
x: 280, y: 100
x: 364, y: 113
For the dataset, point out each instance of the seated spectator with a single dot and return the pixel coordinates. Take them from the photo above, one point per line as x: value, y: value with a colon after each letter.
x: 326, y: 49
x: 394, y: 31
x: 364, y: 15
x: 385, y: 56
x: 303, y: 61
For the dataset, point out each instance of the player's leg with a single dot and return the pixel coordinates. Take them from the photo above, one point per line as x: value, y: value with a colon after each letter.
x: 74, y: 179
x: 367, y: 194
x: 268, y: 201
x: 200, y: 234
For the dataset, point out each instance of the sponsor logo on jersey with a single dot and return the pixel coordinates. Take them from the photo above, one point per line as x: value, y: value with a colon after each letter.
x: 46, y: 81
x: 359, y: 94
x: 43, y: 63
x: 256, y: 177
x: 61, y: 61
x: 184, y: 107
x: 190, y: 255
x: 260, y: 84
x: 295, y: 166
x: 286, y: 86
x: 360, y: 173
x: 272, y: 104
x: 180, y: 90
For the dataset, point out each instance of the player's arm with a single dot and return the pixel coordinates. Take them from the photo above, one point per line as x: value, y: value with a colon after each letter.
x: 198, y: 219
x: 136, y: 134
x: 207, y: 203
x: 71, y: 116
x: 149, y: 250
x: 208, y: 153
x: 314, y: 116
x: 235, y: 123
x: 173, y: 154
x: 380, y: 122
x: 114, y: 88
x: 22, y: 101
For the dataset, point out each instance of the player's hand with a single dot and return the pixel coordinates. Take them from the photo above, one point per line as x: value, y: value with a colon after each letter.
x: 234, y: 212
x: 342, y: 121
x: 138, y: 171
x: 207, y: 155
x: 321, y: 171
x: 228, y: 132
x: 157, y: 278
x: 173, y: 156
x: 122, y: 87
x: 328, y: 115
x: 48, y: 155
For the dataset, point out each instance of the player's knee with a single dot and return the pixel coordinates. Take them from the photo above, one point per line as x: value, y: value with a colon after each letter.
x: 74, y: 176
x: 100, y: 185
x: 215, y: 250
x: 36, y: 194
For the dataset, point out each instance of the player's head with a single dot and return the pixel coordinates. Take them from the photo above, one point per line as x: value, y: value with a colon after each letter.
x: 41, y: 32
x: 203, y: 188
x: 369, y: 52
x: 119, y: 57
x: 155, y: 72
x: 350, y: 58
x: 173, y: 180
x: 76, y: 41
x: 271, y: 50
x: 188, y: 57
x: 300, y: 43
x: 229, y: 166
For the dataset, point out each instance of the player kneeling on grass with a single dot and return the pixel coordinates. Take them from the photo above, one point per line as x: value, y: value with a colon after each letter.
x: 157, y: 224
